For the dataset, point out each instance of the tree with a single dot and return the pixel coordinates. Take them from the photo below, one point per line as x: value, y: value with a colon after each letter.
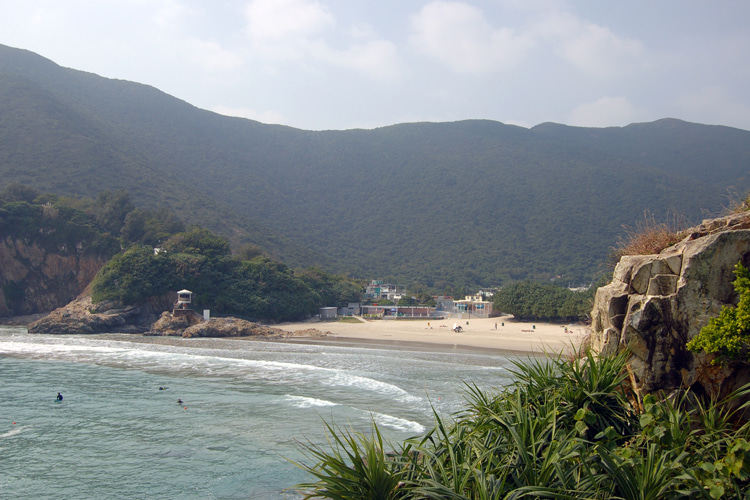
x: 332, y: 290
x: 111, y: 209
x: 20, y: 192
x: 200, y: 241
x: 150, y: 228
x: 529, y: 300
x: 407, y: 301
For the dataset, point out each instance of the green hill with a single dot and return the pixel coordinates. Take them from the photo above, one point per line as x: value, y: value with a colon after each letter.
x: 472, y: 202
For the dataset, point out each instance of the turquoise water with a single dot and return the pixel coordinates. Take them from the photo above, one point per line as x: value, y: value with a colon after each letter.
x: 246, y: 406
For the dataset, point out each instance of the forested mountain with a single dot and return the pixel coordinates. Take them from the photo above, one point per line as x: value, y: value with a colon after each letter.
x: 472, y: 202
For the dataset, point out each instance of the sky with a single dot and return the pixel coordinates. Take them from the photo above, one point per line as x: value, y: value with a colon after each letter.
x: 342, y: 64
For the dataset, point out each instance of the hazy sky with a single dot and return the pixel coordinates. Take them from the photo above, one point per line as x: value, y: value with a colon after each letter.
x: 339, y: 64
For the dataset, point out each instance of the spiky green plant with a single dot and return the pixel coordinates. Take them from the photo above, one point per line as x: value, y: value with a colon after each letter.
x: 357, y: 467
x: 563, y: 430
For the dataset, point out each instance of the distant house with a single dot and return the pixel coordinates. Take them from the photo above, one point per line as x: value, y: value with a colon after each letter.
x: 471, y: 306
x: 391, y: 311
x: 487, y: 292
x: 444, y: 304
x: 352, y: 309
x: 328, y: 312
x: 379, y: 290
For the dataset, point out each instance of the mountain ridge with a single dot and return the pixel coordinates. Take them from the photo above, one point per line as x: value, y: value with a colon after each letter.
x: 474, y: 202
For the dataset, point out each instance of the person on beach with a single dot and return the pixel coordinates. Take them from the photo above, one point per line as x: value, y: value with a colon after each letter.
x: 59, y: 397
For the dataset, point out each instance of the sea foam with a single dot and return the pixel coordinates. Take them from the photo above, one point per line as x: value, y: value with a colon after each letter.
x: 399, y: 424
x: 305, y: 402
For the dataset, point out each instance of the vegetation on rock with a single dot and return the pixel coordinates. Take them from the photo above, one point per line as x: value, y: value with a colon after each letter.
x: 258, y: 288
x: 107, y: 222
x: 563, y: 429
x: 728, y: 335
x: 55, y: 228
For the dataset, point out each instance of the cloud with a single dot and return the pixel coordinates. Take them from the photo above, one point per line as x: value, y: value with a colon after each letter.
x: 377, y: 59
x: 276, y: 20
x: 296, y: 30
x: 606, y: 112
x: 712, y: 104
x: 211, y: 56
x: 167, y: 14
x: 595, y: 50
x: 598, y: 52
x: 458, y: 35
x: 251, y: 114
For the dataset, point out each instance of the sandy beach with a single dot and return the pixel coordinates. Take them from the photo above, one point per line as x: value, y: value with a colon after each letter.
x: 501, y: 333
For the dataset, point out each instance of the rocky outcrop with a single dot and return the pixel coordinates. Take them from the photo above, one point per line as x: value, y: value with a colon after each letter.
x: 188, y: 324
x: 232, y: 327
x: 174, y: 325
x: 82, y: 316
x: 657, y: 303
x: 33, y: 280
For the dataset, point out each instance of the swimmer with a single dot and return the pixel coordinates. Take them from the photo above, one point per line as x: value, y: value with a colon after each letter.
x: 179, y: 401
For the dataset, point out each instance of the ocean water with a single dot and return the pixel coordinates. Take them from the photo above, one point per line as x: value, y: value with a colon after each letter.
x: 247, y: 406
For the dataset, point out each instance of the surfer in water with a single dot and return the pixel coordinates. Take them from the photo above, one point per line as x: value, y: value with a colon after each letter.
x: 59, y: 397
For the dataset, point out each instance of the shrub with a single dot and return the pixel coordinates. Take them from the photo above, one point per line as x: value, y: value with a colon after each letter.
x: 133, y: 276
x: 728, y: 335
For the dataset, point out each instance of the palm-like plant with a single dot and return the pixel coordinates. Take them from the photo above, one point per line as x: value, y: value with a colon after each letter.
x: 357, y: 467
x: 563, y: 429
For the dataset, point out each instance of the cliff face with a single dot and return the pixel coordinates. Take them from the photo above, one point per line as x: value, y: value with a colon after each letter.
x: 33, y: 280
x: 657, y: 303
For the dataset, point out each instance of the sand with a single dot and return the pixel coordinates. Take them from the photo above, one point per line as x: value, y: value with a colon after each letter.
x: 508, y: 335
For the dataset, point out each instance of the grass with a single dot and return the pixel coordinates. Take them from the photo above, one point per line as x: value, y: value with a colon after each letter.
x: 738, y: 205
x: 563, y: 429
x: 347, y: 319
x: 649, y: 236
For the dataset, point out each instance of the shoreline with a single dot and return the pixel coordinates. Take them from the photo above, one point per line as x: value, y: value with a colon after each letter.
x: 500, y: 335
x: 503, y: 334
x: 402, y: 345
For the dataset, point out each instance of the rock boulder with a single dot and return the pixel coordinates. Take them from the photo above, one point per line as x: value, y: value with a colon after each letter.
x: 82, y: 316
x: 655, y: 304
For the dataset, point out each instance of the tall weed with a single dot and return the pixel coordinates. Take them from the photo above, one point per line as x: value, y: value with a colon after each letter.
x: 649, y: 236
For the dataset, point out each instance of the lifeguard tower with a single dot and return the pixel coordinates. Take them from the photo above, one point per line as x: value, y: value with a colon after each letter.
x: 184, y: 298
